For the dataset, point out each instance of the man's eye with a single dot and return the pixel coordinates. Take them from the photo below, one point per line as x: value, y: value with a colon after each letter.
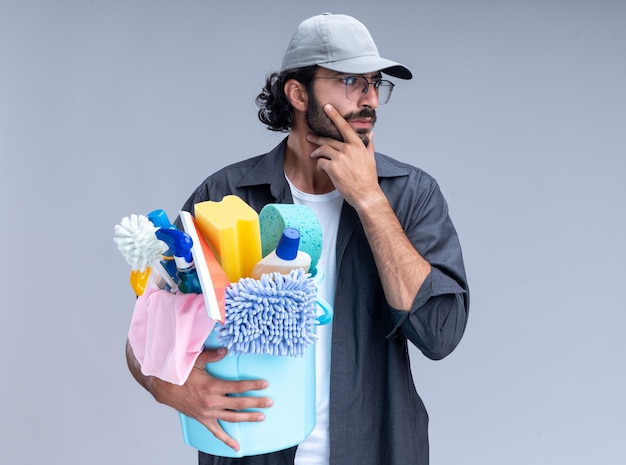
x: 350, y: 80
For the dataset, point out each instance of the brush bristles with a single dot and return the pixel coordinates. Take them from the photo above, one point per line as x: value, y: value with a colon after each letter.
x: 136, y: 240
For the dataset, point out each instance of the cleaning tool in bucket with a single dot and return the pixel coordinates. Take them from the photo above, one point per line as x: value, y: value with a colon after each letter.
x: 275, y: 217
x: 285, y: 257
x: 269, y: 331
x: 271, y: 316
x: 136, y: 240
x: 180, y: 244
x: 168, y: 330
x: 213, y: 278
x: 160, y: 219
x: 231, y: 226
x: 139, y: 280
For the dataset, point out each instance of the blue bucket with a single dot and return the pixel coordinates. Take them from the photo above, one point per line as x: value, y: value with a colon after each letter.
x: 291, y: 386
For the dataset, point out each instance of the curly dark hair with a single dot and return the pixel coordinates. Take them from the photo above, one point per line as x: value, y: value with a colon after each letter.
x: 275, y: 111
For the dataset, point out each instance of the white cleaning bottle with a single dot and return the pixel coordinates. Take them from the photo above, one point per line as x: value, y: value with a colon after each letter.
x: 285, y: 257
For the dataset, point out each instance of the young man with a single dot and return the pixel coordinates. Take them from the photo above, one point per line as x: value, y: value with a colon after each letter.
x: 391, y: 257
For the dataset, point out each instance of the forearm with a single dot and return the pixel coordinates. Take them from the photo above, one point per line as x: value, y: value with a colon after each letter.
x: 439, y: 316
x: 159, y: 389
x: 401, y: 268
x: 135, y: 368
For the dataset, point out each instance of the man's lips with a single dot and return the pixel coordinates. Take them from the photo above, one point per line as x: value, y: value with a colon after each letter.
x: 361, y: 123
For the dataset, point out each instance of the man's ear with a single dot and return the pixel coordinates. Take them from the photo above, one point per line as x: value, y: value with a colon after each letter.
x: 296, y: 94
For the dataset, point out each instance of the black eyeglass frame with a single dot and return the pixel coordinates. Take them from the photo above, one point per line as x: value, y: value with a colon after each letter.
x: 351, y: 80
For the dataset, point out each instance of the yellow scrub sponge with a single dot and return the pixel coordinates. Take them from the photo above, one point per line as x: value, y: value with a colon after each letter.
x: 231, y: 227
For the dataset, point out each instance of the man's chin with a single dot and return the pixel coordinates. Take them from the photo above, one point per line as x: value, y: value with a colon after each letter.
x: 365, y: 137
x: 330, y: 136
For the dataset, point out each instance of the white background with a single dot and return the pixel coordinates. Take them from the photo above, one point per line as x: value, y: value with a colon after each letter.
x: 109, y: 108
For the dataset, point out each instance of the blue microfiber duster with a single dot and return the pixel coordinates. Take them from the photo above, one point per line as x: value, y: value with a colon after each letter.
x: 274, y: 315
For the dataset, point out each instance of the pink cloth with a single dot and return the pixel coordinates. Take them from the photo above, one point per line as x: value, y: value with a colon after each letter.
x: 167, y: 333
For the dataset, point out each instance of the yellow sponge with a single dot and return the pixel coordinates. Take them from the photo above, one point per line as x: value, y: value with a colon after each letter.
x: 231, y: 227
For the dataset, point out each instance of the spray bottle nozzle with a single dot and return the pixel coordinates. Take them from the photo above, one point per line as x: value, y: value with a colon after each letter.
x: 160, y: 219
x: 180, y: 244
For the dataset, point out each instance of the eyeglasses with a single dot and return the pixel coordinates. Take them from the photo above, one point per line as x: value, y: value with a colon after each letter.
x: 357, y: 87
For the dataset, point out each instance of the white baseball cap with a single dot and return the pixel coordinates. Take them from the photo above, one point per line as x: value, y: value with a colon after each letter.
x: 339, y: 43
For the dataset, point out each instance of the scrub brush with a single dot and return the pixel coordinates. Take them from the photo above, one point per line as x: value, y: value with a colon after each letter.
x: 136, y: 240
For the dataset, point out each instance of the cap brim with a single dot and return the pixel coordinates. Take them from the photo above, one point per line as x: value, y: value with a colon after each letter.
x: 369, y: 64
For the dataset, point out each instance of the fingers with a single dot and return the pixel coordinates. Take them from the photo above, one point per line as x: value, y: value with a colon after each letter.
x: 210, y: 399
x: 348, y: 134
x: 229, y: 401
x: 221, y: 386
x: 349, y: 137
x: 235, y: 408
x: 210, y: 356
x: 232, y: 417
x: 239, y: 387
x: 228, y: 397
x: 217, y: 430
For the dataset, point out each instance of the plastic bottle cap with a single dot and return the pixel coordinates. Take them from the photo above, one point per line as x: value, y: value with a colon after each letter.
x: 287, y: 247
x: 160, y: 219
